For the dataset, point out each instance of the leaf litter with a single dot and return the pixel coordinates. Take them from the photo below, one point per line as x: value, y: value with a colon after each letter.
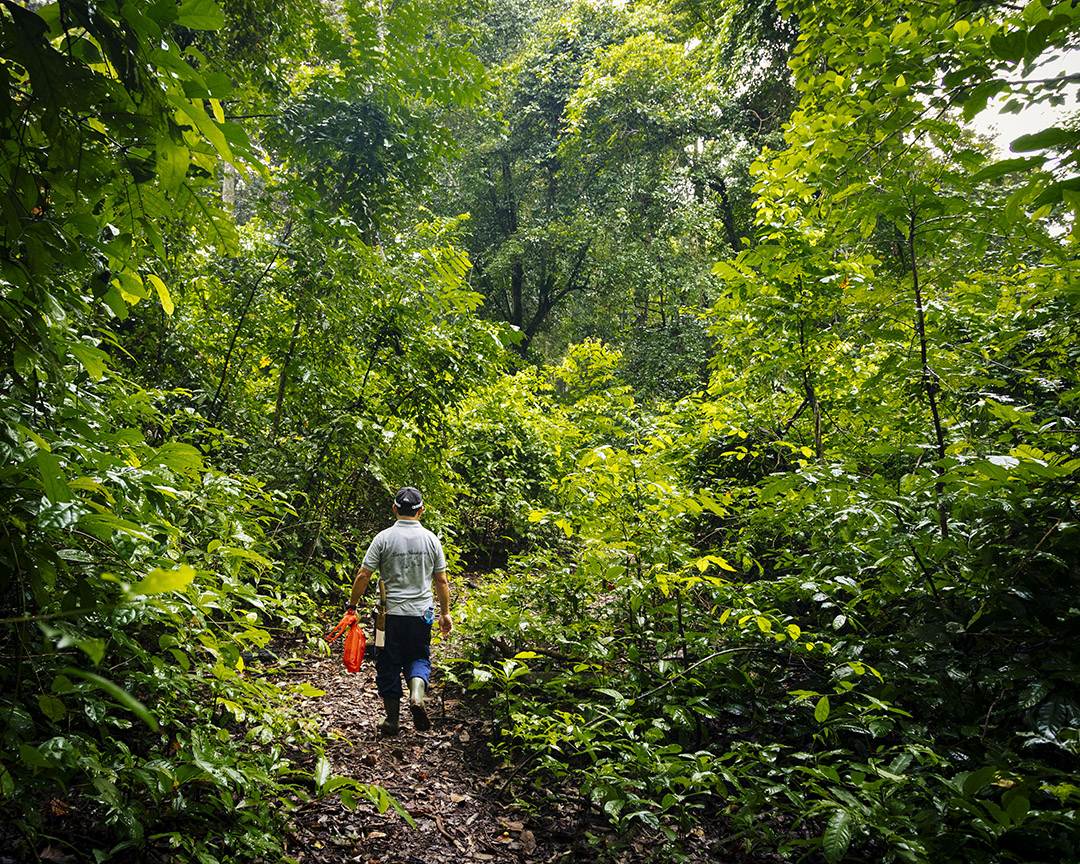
x: 448, y: 782
x: 443, y: 778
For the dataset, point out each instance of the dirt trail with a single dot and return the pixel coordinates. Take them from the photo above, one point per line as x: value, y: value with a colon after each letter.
x: 448, y: 782
x: 443, y: 778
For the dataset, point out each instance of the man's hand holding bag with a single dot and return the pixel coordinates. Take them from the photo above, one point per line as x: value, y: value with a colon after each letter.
x: 355, y: 641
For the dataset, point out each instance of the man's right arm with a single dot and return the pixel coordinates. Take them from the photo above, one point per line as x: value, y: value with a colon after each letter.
x: 359, y: 586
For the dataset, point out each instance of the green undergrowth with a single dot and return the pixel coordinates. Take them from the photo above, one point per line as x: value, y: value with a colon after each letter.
x: 663, y: 709
x: 148, y: 628
x: 802, y: 663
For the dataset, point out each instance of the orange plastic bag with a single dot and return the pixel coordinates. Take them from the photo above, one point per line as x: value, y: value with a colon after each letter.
x: 355, y: 641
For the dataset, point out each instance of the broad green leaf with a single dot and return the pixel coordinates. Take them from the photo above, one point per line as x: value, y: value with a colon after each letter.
x: 58, y: 517
x: 821, y: 710
x: 703, y: 563
x: 401, y: 811
x: 33, y: 436
x: 92, y: 646
x: 973, y: 782
x: 777, y: 487
x: 158, y: 580
x: 163, y: 293
x: 182, y: 659
x: 173, y: 160
x: 246, y: 554
x: 1009, y: 47
x: 1017, y: 808
x: 1051, y: 137
x: 52, y: 477
x: 1007, y: 166
x: 201, y: 120
x: 62, y: 684
x: 976, y: 100
x: 114, y: 300
x: 52, y: 707
x: 180, y: 457
x: 1006, y: 412
x: 999, y: 815
x: 131, y: 287
x: 1053, y: 193
x: 31, y: 756
x: 992, y: 470
x: 220, y: 86
x: 837, y: 837
x: 117, y: 693
x: 94, y: 360
x: 337, y: 782
x: 88, y: 484
x: 1034, y: 12
x: 322, y: 772
x: 200, y: 15
x: 102, y: 526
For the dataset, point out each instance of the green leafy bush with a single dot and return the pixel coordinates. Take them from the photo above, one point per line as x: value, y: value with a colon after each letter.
x: 831, y: 666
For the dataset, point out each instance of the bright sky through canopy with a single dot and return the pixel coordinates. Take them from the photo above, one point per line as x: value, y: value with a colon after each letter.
x: 1005, y: 128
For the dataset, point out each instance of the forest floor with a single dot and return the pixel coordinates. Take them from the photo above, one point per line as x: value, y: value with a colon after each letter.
x: 448, y: 782
x: 466, y: 806
x: 443, y: 778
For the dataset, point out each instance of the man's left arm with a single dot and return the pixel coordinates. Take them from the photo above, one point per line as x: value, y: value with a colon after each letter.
x: 442, y: 591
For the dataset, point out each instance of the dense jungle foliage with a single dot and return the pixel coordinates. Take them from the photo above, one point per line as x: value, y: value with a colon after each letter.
x: 736, y: 368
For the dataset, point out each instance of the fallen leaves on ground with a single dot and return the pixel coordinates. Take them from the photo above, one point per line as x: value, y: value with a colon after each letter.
x: 448, y: 783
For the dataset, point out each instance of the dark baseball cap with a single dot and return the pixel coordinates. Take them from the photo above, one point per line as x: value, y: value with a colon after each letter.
x: 408, y: 499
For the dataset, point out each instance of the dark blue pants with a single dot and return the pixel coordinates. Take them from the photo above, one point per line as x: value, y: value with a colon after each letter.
x: 407, y: 652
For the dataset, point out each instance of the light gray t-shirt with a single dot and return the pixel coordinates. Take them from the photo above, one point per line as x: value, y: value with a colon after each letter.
x: 406, y: 555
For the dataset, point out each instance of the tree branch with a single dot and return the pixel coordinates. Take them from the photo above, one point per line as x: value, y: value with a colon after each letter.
x: 243, y: 315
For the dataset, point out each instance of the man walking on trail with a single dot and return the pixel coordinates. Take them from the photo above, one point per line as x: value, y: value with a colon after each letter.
x: 408, y: 558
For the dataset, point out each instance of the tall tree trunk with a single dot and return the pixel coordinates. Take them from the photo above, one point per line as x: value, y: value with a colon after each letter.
x: 811, y: 398
x: 660, y: 267
x: 282, y: 378
x: 543, y: 310
x: 228, y: 187
x: 517, y: 280
x: 810, y: 392
x: 718, y: 185
x: 504, y: 209
x: 929, y: 379
x: 517, y: 275
x: 212, y: 411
